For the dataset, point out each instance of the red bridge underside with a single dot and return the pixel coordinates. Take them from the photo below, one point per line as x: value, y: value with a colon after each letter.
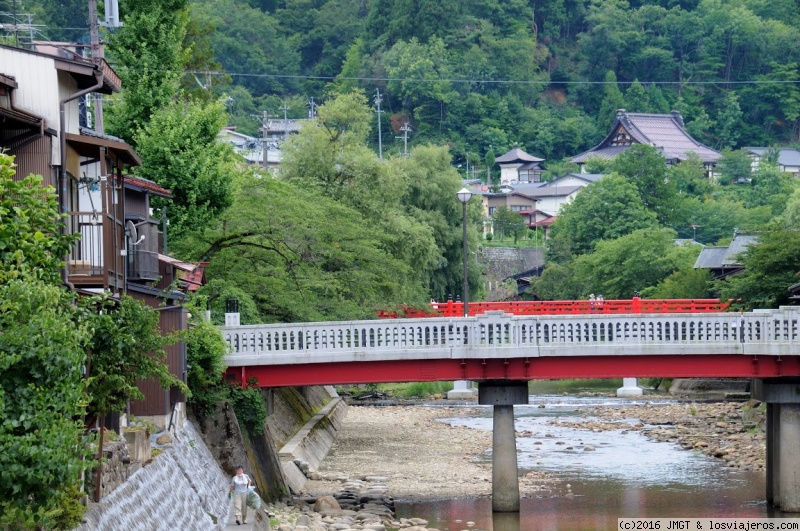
x: 551, y: 368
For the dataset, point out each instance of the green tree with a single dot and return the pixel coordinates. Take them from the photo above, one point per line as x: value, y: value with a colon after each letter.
x: 636, y: 98
x: 29, y: 227
x: 41, y: 355
x: 41, y: 403
x: 303, y: 256
x: 506, y: 222
x: 633, y: 262
x: 149, y: 58
x: 612, y: 101
x: 431, y: 200
x: 771, y: 266
x: 205, y: 349
x: 180, y: 151
x: 734, y: 166
x: 685, y: 283
x: 647, y: 170
x: 604, y: 210
x: 728, y: 121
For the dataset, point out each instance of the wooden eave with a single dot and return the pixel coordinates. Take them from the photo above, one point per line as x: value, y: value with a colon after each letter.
x: 87, y: 146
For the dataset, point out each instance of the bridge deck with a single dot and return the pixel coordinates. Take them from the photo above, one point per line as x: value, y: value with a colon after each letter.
x: 763, y: 343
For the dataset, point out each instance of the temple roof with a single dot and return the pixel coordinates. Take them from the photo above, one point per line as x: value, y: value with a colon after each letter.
x: 516, y: 155
x: 663, y: 131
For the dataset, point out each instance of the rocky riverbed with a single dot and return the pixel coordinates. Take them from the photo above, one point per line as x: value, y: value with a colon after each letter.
x: 731, y: 431
x: 407, y: 452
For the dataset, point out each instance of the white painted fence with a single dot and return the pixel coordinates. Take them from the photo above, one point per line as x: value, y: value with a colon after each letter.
x: 500, y: 335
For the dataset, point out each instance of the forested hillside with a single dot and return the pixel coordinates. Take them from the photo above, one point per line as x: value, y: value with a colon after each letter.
x: 472, y: 79
x: 483, y: 75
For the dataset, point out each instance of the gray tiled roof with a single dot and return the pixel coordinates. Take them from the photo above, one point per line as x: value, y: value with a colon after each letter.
x: 664, y: 131
x: 553, y: 191
x: 721, y: 257
x: 516, y: 155
x: 786, y: 156
x: 606, y: 153
x: 96, y: 134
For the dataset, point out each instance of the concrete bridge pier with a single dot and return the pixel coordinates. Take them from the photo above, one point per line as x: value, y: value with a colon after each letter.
x: 502, y: 395
x: 782, y: 396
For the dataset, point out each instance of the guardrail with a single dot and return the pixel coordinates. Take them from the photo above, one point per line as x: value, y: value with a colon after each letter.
x: 570, y: 307
x: 496, y: 334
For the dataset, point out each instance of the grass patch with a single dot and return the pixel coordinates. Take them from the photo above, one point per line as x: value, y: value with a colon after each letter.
x: 399, y: 390
x: 424, y: 389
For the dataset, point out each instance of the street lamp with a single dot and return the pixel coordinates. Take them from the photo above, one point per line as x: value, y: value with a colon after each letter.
x: 464, y: 196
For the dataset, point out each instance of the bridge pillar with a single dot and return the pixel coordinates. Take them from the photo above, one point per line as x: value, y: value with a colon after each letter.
x: 462, y: 390
x: 629, y: 387
x: 782, y: 396
x: 503, y: 394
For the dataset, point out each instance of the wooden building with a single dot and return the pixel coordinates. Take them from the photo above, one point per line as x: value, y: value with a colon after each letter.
x: 43, y: 124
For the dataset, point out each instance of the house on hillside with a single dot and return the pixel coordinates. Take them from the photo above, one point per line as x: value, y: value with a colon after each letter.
x: 788, y: 158
x: 666, y: 132
x: 518, y: 166
x: 268, y: 148
x: 724, y: 261
x: 44, y: 125
x: 550, y: 199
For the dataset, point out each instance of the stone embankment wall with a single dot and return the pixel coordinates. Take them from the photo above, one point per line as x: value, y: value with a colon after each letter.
x: 503, y: 262
x: 186, y: 486
x: 183, y: 488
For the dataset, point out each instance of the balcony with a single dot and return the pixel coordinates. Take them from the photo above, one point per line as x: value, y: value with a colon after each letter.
x: 142, y: 262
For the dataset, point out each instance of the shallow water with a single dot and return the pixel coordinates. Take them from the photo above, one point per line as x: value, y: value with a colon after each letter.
x: 626, y: 475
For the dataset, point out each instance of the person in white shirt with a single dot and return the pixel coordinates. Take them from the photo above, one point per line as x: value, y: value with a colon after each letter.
x: 240, y: 484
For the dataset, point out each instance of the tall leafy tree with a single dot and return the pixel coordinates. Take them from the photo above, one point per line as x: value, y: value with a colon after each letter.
x: 636, y: 98
x: 180, y: 151
x: 604, y: 210
x: 612, y: 100
x: 148, y: 55
x: 430, y: 198
x: 647, y: 170
x: 634, y: 262
x: 771, y: 267
x: 302, y: 256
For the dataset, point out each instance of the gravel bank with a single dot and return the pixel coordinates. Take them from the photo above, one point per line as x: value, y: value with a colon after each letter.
x: 415, y: 456
x: 422, y: 457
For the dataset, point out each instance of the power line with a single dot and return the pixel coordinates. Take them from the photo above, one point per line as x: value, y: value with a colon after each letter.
x: 499, y: 81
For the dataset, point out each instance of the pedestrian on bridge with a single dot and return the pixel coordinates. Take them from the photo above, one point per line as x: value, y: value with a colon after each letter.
x: 240, y: 484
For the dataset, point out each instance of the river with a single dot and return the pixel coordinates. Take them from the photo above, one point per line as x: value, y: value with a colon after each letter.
x: 622, y: 474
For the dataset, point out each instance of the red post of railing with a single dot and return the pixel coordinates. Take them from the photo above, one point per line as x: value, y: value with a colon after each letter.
x: 637, y: 305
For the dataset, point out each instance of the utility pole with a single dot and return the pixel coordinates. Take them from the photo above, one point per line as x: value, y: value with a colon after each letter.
x: 312, y: 108
x: 97, y: 58
x: 112, y: 21
x: 378, y: 101
x: 405, y: 129
x: 264, y: 145
x: 286, y: 109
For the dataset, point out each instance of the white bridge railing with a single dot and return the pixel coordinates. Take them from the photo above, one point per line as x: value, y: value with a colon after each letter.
x: 500, y: 335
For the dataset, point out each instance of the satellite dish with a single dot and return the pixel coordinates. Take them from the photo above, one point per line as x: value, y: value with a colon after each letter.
x: 130, y: 228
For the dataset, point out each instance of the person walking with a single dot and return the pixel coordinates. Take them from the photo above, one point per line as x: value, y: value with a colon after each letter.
x: 240, y: 484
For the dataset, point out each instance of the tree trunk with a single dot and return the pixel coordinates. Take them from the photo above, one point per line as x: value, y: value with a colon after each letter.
x: 101, y: 430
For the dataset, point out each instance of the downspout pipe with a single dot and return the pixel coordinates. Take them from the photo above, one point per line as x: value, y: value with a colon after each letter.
x: 62, y: 138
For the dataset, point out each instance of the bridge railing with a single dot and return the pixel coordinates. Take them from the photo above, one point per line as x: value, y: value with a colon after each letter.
x: 770, y: 330
x: 566, y: 307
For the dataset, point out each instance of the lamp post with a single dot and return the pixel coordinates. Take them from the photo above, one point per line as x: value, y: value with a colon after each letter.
x: 464, y: 196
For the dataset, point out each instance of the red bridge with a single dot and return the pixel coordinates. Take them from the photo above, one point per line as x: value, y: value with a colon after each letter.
x: 572, y: 307
x: 501, y: 346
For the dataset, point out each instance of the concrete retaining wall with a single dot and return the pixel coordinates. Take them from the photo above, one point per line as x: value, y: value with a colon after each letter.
x: 308, y: 447
x: 183, y: 488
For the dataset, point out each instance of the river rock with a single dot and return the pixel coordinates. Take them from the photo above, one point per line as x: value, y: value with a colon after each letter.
x: 326, y: 503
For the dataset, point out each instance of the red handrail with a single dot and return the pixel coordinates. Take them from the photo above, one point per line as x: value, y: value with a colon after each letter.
x: 573, y: 307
